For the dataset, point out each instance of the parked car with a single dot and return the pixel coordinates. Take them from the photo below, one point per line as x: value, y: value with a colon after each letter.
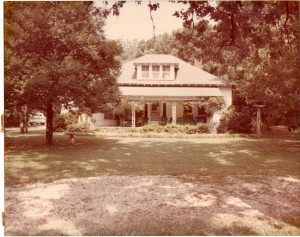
x: 37, y: 118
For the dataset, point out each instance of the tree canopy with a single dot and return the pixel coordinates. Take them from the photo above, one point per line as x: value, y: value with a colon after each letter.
x: 56, y: 53
x: 253, y: 45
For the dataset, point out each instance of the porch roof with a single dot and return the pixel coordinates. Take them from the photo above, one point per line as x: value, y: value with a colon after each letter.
x: 169, y: 91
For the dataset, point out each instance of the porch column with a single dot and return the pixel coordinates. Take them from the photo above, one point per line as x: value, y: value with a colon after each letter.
x: 149, y: 111
x: 174, y: 115
x: 195, y: 110
x: 161, y: 107
x: 133, y: 116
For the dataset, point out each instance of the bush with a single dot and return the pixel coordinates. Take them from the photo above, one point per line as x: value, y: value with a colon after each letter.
x: 151, y: 128
x: 175, y: 128
x: 62, y: 121
x: 235, y: 122
x: 77, y: 128
x: 11, y: 120
x: 240, y: 123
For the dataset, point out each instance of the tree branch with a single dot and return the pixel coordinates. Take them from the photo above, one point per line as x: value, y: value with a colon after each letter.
x: 286, y: 20
x: 153, y: 25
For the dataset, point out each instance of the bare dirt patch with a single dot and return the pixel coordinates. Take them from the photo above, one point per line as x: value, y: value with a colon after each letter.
x: 155, y: 205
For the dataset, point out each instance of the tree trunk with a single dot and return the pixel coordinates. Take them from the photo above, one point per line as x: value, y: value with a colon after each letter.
x: 23, y: 119
x: 49, y: 124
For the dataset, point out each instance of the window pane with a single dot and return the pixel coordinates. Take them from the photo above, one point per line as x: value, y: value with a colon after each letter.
x: 145, y: 68
x: 166, y: 72
x: 155, y: 71
x: 166, y: 68
x: 145, y: 71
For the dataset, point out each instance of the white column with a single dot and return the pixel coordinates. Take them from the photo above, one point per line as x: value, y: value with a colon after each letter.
x: 174, y: 115
x: 168, y: 114
x: 160, y: 71
x: 149, y: 111
x: 133, y: 116
x: 161, y: 107
x: 150, y: 71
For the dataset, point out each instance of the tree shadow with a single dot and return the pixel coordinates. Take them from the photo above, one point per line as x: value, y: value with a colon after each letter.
x: 244, y: 180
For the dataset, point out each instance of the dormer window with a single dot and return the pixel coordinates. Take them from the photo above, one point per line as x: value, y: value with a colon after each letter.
x: 145, y: 71
x: 155, y: 71
x: 166, y: 72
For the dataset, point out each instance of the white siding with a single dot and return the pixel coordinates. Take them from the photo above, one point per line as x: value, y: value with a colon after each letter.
x: 227, y: 95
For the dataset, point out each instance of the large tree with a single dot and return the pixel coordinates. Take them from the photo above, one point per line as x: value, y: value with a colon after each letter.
x: 56, y: 53
x: 254, y: 45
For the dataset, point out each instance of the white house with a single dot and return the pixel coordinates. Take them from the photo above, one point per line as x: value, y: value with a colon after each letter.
x: 168, y: 88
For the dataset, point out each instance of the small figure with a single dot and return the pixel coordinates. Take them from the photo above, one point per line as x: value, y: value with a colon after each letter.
x: 72, y: 140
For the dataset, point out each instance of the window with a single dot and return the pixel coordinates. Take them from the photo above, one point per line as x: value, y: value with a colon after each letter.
x: 145, y: 71
x: 155, y: 71
x: 166, y: 72
x: 154, y: 107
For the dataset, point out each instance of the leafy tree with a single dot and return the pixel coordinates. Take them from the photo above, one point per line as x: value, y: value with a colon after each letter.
x: 130, y: 48
x: 254, y: 45
x: 161, y: 44
x: 56, y: 53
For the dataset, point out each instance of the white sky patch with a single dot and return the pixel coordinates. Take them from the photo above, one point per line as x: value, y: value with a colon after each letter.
x: 134, y: 21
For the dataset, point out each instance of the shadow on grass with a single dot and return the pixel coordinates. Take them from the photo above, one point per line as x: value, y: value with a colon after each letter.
x: 28, y: 160
x: 154, y: 205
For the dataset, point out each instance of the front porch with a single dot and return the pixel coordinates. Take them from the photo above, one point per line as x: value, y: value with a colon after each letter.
x: 162, y: 112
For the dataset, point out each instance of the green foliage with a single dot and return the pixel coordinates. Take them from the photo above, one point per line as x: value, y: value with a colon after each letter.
x: 233, y: 121
x: 80, y: 128
x: 263, y: 71
x: 212, y: 104
x: 11, y: 119
x: 56, y: 53
x: 241, y: 122
x: 124, y: 109
x: 162, y: 44
x: 175, y: 128
x: 62, y: 121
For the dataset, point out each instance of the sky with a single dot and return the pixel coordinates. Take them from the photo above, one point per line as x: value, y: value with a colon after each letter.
x: 134, y: 21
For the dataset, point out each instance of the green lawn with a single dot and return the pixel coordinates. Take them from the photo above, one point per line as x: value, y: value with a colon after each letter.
x: 28, y: 160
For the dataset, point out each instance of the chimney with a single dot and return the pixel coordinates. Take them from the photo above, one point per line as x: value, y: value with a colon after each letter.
x: 198, y: 63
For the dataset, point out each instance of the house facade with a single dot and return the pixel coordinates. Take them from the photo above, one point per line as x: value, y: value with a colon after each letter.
x: 166, y: 89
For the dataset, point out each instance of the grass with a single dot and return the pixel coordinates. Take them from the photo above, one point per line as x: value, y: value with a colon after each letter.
x: 28, y: 160
x: 248, y: 186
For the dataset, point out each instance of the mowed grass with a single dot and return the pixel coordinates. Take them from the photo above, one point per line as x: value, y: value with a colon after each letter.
x: 28, y: 160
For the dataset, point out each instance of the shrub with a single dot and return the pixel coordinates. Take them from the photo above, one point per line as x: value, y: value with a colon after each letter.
x: 235, y: 122
x: 11, y: 119
x: 175, y: 128
x: 240, y: 123
x: 151, y: 128
x: 202, y: 128
x: 77, y: 128
x: 62, y: 121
